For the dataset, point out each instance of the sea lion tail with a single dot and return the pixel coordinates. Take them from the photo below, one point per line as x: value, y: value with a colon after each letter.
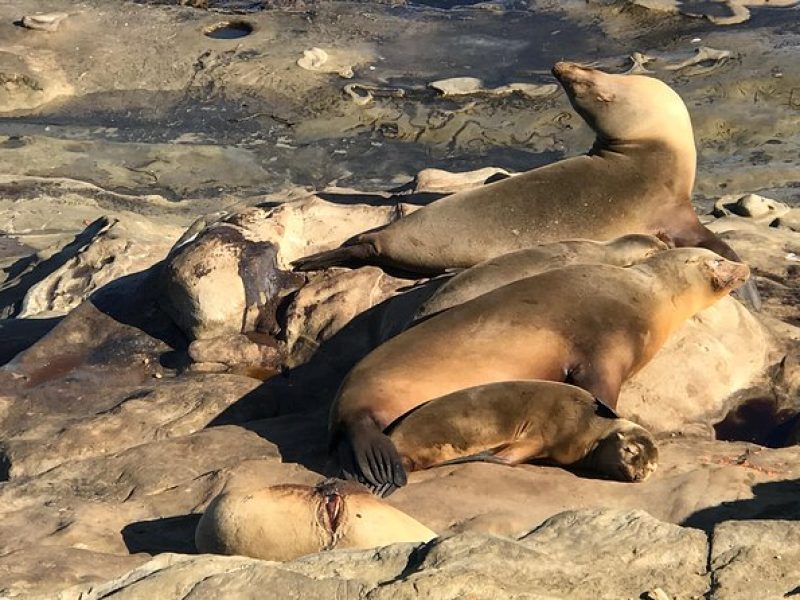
x: 357, y: 252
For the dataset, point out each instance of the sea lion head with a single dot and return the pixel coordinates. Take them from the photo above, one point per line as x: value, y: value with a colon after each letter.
x: 628, y: 453
x: 699, y: 270
x: 626, y: 108
x: 635, y: 247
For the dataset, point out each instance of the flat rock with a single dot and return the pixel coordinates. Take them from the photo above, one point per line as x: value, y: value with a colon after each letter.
x: 750, y: 555
x: 553, y: 561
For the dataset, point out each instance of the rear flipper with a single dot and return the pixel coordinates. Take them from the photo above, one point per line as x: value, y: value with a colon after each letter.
x: 358, y: 252
x: 485, y: 456
x: 507, y: 454
x: 371, y: 458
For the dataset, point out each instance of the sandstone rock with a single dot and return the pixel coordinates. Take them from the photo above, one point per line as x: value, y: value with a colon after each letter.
x: 677, y: 387
x: 158, y: 410
x: 554, y: 561
x: 331, y: 301
x: 44, y: 22
x: 753, y: 206
x: 57, y: 279
x: 756, y: 557
x: 465, y: 86
x: 224, y: 283
x: 29, y: 78
x: 437, y: 180
x: 41, y: 569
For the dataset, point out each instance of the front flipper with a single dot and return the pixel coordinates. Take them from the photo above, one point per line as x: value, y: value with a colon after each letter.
x: 368, y: 456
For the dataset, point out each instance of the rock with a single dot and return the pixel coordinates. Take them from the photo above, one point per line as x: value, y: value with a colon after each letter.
x: 236, y: 350
x: 231, y: 277
x: 105, y: 503
x: 637, y: 550
x: 703, y: 61
x: 464, y: 86
x: 284, y: 522
x: 206, y: 576
x: 45, y: 22
x: 555, y: 560
x: 313, y: 59
x: 41, y: 569
x: 674, y: 389
x: 437, y: 180
x: 753, y: 206
x: 330, y: 302
x: 337, y: 61
x: 156, y: 410
x: 224, y: 283
x: 55, y: 280
x: 30, y: 78
x: 758, y: 553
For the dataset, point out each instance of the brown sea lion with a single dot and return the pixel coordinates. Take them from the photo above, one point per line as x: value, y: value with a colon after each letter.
x: 502, y: 270
x: 512, y: 422
x: 283, y: 522
x: 589, y: 325
x: 637, y: 178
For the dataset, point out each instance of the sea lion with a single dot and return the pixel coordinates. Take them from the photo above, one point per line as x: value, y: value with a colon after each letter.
x: 637, y: 178
x: 283, y: 522
x: 589, y: 325
x: 497, y: 272
x: 512, y: 422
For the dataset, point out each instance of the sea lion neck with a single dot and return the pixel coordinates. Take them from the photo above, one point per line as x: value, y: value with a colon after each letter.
x: 676, y: 163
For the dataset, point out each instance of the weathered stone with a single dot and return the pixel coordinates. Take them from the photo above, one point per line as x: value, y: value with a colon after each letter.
x: 677, y: 387
x: 756, y: 558
x: 633, y: 552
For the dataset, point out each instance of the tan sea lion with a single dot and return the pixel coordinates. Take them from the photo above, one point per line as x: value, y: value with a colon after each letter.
x: 512, y: 422
x: 283, y: 522
x: 637, y: 178
x: 589, y: 325
x: 502, y: 270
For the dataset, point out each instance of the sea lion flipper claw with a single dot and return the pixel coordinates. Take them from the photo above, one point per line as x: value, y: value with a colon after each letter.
x: 372, y: 459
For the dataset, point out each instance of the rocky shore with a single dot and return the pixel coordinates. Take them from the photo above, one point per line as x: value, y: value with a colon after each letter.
x: 156, y: 184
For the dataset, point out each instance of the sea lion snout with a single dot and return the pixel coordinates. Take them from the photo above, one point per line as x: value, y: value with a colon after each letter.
x: 569, y: 72
x: 727, y: 274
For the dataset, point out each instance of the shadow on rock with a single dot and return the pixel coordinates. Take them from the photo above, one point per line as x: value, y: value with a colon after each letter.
x: 772, y: 500
x: 17, y: 335
x: 168, y: 534
x: 30, y: 270
x: 291, y: 410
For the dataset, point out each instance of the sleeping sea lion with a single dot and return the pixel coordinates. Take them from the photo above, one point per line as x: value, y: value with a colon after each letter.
x: 497, y: 272
x: 283, y: 522
x: 593, y: 326
x: 637, y: 178
x: 512, y: 422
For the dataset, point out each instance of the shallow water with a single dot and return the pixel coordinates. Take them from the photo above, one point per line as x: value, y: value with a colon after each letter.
x: 231, y: 30
x: 325, y: 140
